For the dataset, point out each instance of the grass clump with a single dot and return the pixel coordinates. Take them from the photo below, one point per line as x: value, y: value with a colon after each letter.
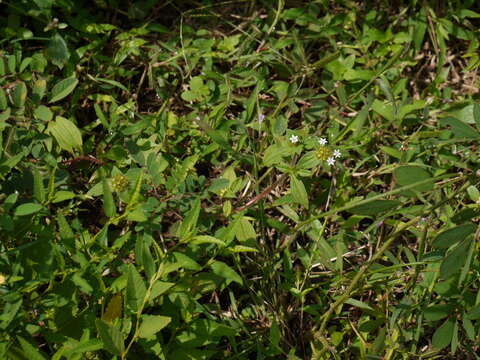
x: 239, y: 179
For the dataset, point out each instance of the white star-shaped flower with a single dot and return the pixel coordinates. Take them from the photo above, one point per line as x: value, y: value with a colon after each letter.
x: 337, y: 154
x: 331, y: 161
x: 323, y: 141
x: 294, y: 139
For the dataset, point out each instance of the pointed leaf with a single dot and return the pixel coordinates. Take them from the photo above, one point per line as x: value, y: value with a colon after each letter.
x: 57, y: 51
x: 454, y: 235
x: 298, y: 191
x: 375, y: 207
x: 66, y: 133
x: 455, y: 259
x: 151, y: 324
x: 111, y: 336
x: 136, y: 289
x: 221, y: 269
x: 27, y: 209
x: 62, y: 89
x: 443, y: 335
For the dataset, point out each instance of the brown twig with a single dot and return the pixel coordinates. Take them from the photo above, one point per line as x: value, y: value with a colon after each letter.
x: 262, y: 195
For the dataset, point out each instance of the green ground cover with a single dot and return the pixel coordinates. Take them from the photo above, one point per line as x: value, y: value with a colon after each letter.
x: 240, y: 179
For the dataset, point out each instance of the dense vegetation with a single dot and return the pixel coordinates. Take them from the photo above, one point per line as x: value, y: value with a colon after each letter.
x: 240, y: 179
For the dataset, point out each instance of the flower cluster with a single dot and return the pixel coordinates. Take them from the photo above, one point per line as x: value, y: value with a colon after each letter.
x: 324, y: 153
x: 119, y: 183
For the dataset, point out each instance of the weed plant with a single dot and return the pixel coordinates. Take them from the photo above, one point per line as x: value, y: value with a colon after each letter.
x: 239, y: 179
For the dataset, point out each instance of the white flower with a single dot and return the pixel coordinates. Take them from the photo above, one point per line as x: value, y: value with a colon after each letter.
x: 261, y: 117
x: 323, y: 141
x: 294, y: 139
x: 331, y: 161
x: 337, y: 154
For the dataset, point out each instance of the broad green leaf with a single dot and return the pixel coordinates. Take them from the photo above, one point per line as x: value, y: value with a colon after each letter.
x: 111, y: 336
x: 57, y: 51
x: 438, y: 311
x: 38, y: 91
x: 19, y: 94
x: 244, y: 230
x: 83, y: 347
x: 159, y: 288
x: 223, y: 270
x: 298, y: 191
x: 460, y: 129
x: 375, y: 207
x: 28, y: 209
x: 62, y: 195
x: 443, y: 335
x: 29, y: 350
x: 43, y: 113
x: 455, y: 259
x: 11, y: 63
x: 66, y: 133
x: 62, y: 89
x: 410, y: 174
x: 385, y: 110
x: 275, y: 153
x: 136, y: 289
x: 451, y: 236
x: 152, y: 324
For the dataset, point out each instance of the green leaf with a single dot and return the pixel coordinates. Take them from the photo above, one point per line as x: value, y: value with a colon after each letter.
x: 108, y: 202
x: 223, y: 270
x: 451, y: 236
x: 38, y: 188
x: 135, y: 193
x: 190, y: 220
x: 409, y: 174
x: 438, y: 311
x: 111, y: 336
x: 57, y: 51
x: 385, y: 110
x: 460, y: 129
x: 151, y: 324
x: 62, y: 89
x: 473, y: 313
x: 443, y: 335
x: 66, y: 133
x: 28, y: 209
x: 455, y: 259
x: 206, y: 239
x: 375, y: 207
x: 29, y: 350
x: 39, y: 89
x: 62, y: 195
x: 43, y: 113
x: 3, y: 100
x: 136, y: 289
x: 19, y: 94
x: 476, y: 114
x: 298, y: 191
x: 159, y: 288
x: 244, y: 230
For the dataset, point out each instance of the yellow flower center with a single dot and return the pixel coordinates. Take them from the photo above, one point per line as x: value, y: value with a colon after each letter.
x: 323, y: 153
